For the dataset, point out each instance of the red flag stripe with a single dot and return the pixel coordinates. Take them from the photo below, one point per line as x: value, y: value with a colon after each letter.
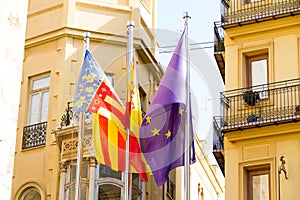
x: 121, y: 152
x: 136, y: 159
x: 103, y: 123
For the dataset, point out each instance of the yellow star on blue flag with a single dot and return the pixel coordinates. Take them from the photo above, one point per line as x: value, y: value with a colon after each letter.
x: 89, y: 80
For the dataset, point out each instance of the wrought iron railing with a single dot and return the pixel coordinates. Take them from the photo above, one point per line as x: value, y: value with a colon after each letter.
x: 218, y: 38
x: 260, y: 105
x: 67, y: 117
x: 34, y: 135
x: 170, y: 189
x: 238, y: 11
x: 218, y: 139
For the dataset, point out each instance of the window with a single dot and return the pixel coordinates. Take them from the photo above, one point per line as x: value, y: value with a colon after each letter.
x: 34, y: 134
x: 257, y: 74
x: 136, y: 187
x: 258, y: 183
x: 171, y: 185
x: 109, y: 191
x: 110, y: 184
x: 31, y: 193
x: 70, y: 185
x: 143, y: 100
x: 257, y: 70
x: 111, y: 78
x: 39, y: 98
x: 105, y: 172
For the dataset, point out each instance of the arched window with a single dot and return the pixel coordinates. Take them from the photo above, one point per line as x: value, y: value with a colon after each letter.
x: 110, y: 184
x: 109, y: 191
x: 31, y: 193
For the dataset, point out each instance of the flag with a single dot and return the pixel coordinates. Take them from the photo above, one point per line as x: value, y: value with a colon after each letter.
x: 162, y: 132
x: 89, y: 79
x: 134, y: 116
x: 95, y: 94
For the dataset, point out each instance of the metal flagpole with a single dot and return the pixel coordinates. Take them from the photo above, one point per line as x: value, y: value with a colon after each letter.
x: 186, y: 17
x: 80, y: 136
x: 130, y: 26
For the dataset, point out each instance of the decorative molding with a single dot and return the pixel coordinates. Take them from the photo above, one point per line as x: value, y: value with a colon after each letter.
x: 63, y: 166
x: 69, y: 147
x: 92, y: 162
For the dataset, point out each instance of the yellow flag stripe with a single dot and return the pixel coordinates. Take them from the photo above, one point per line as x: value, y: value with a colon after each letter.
x: 113, y: 145
x: 111, y: 117
x: 115, y: 104
x: 96, y: 138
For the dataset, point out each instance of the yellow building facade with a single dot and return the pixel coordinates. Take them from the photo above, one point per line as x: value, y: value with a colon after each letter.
x: 46, y: 144
x: 47, y: 134
x: 257, y: 138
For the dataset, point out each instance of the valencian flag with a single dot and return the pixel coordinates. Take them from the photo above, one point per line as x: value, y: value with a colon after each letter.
x: 134, y: 120
x: 163, y: 128
x: 95, y: 94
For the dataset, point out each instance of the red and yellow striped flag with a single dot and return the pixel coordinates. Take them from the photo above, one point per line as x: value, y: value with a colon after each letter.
x: 108, y: 127
x: 134, y: 115
x: 109, y: 132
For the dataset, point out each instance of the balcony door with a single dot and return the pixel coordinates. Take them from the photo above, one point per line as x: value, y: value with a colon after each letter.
x: 257, y: 70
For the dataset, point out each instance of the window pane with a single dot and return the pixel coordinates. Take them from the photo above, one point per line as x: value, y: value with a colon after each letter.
x: 110, y: 78
x: 34, y: 109
x: 44, y: 107
x: 109, y: 192
x: 72, y: 193
x: 85, y: 166
x: 72, y: 173
x: 107, y: 172
x: 260, y: 186
x: 259, y: 72
x: 41, y: 83
x: 135, y: 179
x: 32, y: 194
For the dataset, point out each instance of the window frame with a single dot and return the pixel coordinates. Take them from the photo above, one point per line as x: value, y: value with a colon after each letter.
x: 27, y: 190
x: 252, y: 171
x: 70, y: 183
x: 171, y: 186
x: 253, y: 58
x: 40, y: 92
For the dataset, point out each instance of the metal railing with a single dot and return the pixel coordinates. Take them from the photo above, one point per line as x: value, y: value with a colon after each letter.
x: 218, y: 38
x: 238, y: 11
x: 34, y: 135
x: 260, y: 105
x: 218, y: 139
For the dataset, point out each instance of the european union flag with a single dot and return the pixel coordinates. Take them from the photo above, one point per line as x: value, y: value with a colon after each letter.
x: 163, y: 128
x: 88, y: 82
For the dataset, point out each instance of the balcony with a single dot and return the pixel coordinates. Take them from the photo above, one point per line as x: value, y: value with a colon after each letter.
x: 219, y: 48
x: 218, y: 148
x: 260, y: 105
x: 241, y: 12
x: 34, y: 135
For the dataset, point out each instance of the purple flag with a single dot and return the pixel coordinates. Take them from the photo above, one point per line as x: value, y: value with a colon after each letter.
x: 162, y: 131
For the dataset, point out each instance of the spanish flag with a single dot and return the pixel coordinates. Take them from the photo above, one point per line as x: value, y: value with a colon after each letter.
x: 134, y: 120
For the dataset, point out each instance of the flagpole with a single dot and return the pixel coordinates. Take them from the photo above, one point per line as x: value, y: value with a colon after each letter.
x: 80, y: 136
x: 186, y: 17
x: 130, y: 26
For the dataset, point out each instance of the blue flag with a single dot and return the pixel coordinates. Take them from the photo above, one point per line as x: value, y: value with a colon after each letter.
x: 88, y: 82
x: 162, y: 132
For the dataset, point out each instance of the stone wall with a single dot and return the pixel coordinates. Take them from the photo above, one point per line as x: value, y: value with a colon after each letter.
x: 12, y: 37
